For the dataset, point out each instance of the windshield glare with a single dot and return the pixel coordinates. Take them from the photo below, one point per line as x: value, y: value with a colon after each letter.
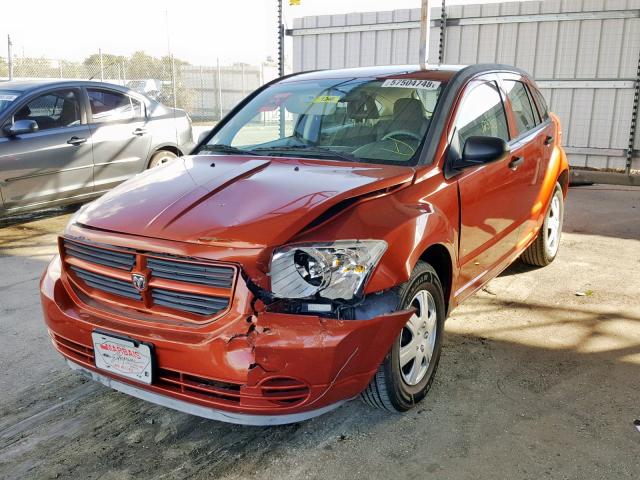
x: 7, y: 97
x: 369, y: 120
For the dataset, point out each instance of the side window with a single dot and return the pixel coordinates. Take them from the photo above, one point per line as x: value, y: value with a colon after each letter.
x: 532, y: 102
x: 520, y: 104
x: 542, y: 104
x: 482, y: 114
x: 138, y: 108
x: 57, y: 109
x: 110, y: 106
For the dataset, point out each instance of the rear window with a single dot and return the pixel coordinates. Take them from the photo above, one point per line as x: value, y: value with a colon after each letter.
x: 109, y: 106
x: 7, y: 97
x: 521, y: 106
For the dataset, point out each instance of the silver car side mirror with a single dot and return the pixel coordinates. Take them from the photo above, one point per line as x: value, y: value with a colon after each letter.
x: 20, y: 127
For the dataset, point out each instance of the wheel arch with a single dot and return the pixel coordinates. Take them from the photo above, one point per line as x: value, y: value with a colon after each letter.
x: 563, y: 180
x: 169, y: 147
x: 439, y: 257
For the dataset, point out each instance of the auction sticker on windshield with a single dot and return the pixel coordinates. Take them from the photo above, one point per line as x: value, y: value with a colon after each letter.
x: 123, y: 357
x: 410, y: 83
x: 7, y: 98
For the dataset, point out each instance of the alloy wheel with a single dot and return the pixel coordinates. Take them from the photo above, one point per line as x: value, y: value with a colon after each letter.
x: 418, y: 339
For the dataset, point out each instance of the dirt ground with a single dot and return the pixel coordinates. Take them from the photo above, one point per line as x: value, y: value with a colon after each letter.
x: 539, y: 378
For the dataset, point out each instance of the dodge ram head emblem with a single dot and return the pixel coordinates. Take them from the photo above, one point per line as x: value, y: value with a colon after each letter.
x: 139, y: 281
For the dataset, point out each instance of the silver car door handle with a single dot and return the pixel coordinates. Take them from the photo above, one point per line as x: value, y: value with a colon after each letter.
x: 76, y: 140
x: 139, y: 131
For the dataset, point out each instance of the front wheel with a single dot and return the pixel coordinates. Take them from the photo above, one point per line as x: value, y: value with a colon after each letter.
x: 545, y: 247
x: 161, y: 157
x: 407, y: 372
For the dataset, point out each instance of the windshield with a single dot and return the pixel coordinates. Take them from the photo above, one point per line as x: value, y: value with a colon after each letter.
x: 364, y: 120
x: 7, y: 97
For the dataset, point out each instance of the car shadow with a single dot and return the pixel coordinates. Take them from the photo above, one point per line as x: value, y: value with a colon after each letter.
x: 28, y: 217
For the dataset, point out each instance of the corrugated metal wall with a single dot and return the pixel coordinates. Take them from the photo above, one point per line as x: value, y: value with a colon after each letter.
x: 583, y: 53
x: 214, y: 91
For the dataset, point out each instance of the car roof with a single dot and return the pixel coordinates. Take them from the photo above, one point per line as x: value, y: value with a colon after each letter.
x: 440, y: 72
x: 29, y: 85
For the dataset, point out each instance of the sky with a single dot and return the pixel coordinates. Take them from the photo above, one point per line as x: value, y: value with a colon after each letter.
x: 198, y: 31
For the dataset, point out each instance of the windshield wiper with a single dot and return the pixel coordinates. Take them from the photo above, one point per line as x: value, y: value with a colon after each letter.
x: 311, y: 149
x: 222, y: 148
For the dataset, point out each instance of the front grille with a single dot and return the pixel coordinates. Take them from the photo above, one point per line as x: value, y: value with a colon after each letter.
x: 101, y: 256
x: 108, y: 284
x: 189, y: 302
x: 195, y: 290
x: 191, y: 272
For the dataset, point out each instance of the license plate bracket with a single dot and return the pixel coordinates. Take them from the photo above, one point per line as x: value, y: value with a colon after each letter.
x: 123, y: 356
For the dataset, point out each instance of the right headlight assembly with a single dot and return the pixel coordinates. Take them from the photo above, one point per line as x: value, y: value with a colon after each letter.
x: 332, y: 270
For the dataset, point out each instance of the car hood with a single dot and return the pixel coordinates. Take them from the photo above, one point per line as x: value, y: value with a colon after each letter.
x: 242, y: 200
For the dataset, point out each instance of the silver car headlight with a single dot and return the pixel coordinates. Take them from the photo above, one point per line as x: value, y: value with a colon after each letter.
x: 332, y: 269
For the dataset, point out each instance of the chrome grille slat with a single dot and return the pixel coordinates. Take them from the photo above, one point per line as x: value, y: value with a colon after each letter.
x: 102, y: 261
x: 196, y: 302
x: 199, y: 311
x: 191, y: 273
x: 124, y: 261
x: 108, y: 284
x: 204, y: 305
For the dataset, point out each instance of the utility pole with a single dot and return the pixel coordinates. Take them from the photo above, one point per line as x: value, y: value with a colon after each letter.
x: 101, y: 65
x: 425, y: 26
x: 280, y: 41
x: 281, y: 112
x: 10, y: 56
x: 219, y: 82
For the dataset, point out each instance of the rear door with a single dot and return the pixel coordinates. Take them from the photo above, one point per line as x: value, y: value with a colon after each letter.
x: 489, y: 218
x: 119, y: 133
x: 54, y: 163
x: 529, y: 148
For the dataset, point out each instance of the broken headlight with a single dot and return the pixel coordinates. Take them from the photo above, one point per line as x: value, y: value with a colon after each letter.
x: 332, y: 270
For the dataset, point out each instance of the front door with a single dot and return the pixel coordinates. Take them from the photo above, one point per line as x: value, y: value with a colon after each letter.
x: 490, y: 215
x: 53, y: 163
x: 120, y: 140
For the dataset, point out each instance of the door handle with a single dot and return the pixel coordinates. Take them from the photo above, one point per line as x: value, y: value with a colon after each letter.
x: 516, y: 162
x: 139, y: 131
x: 548, y: 140
x: 76, y: 140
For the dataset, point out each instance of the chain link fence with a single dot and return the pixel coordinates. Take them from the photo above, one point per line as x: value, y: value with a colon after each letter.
x: 206, y: 92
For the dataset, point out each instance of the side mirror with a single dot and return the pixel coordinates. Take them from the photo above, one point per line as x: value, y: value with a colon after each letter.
x: 481, y: 150
x: 21, y: 127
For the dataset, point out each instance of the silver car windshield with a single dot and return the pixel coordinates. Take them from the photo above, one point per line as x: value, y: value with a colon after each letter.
x: 368, y: 120
x: 7, y: 97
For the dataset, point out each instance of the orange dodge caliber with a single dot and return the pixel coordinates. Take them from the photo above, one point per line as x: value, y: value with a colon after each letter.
x: 311, y: 247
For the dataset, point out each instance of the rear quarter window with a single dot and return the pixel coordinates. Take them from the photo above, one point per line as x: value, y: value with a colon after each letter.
x: 540, y: 103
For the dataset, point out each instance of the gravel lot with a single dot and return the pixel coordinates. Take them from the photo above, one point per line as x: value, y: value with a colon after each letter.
x: 535, y: 382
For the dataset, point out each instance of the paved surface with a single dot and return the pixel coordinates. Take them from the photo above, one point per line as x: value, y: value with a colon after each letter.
x: 535, y: 382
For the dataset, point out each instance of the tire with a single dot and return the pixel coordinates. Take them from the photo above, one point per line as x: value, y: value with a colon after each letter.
x: 543, y: 250
x: 391, y: 388
x: 161, y: 157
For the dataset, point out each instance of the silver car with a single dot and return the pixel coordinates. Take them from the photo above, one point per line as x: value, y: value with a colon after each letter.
x: 69, y: 141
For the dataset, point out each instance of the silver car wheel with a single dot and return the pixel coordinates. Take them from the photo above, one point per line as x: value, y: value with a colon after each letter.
x: 553, y: 226
x: 161, y: 158
x: 418, y: 339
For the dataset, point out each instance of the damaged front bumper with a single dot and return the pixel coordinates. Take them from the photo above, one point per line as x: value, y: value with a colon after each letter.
x: 248, y: 368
